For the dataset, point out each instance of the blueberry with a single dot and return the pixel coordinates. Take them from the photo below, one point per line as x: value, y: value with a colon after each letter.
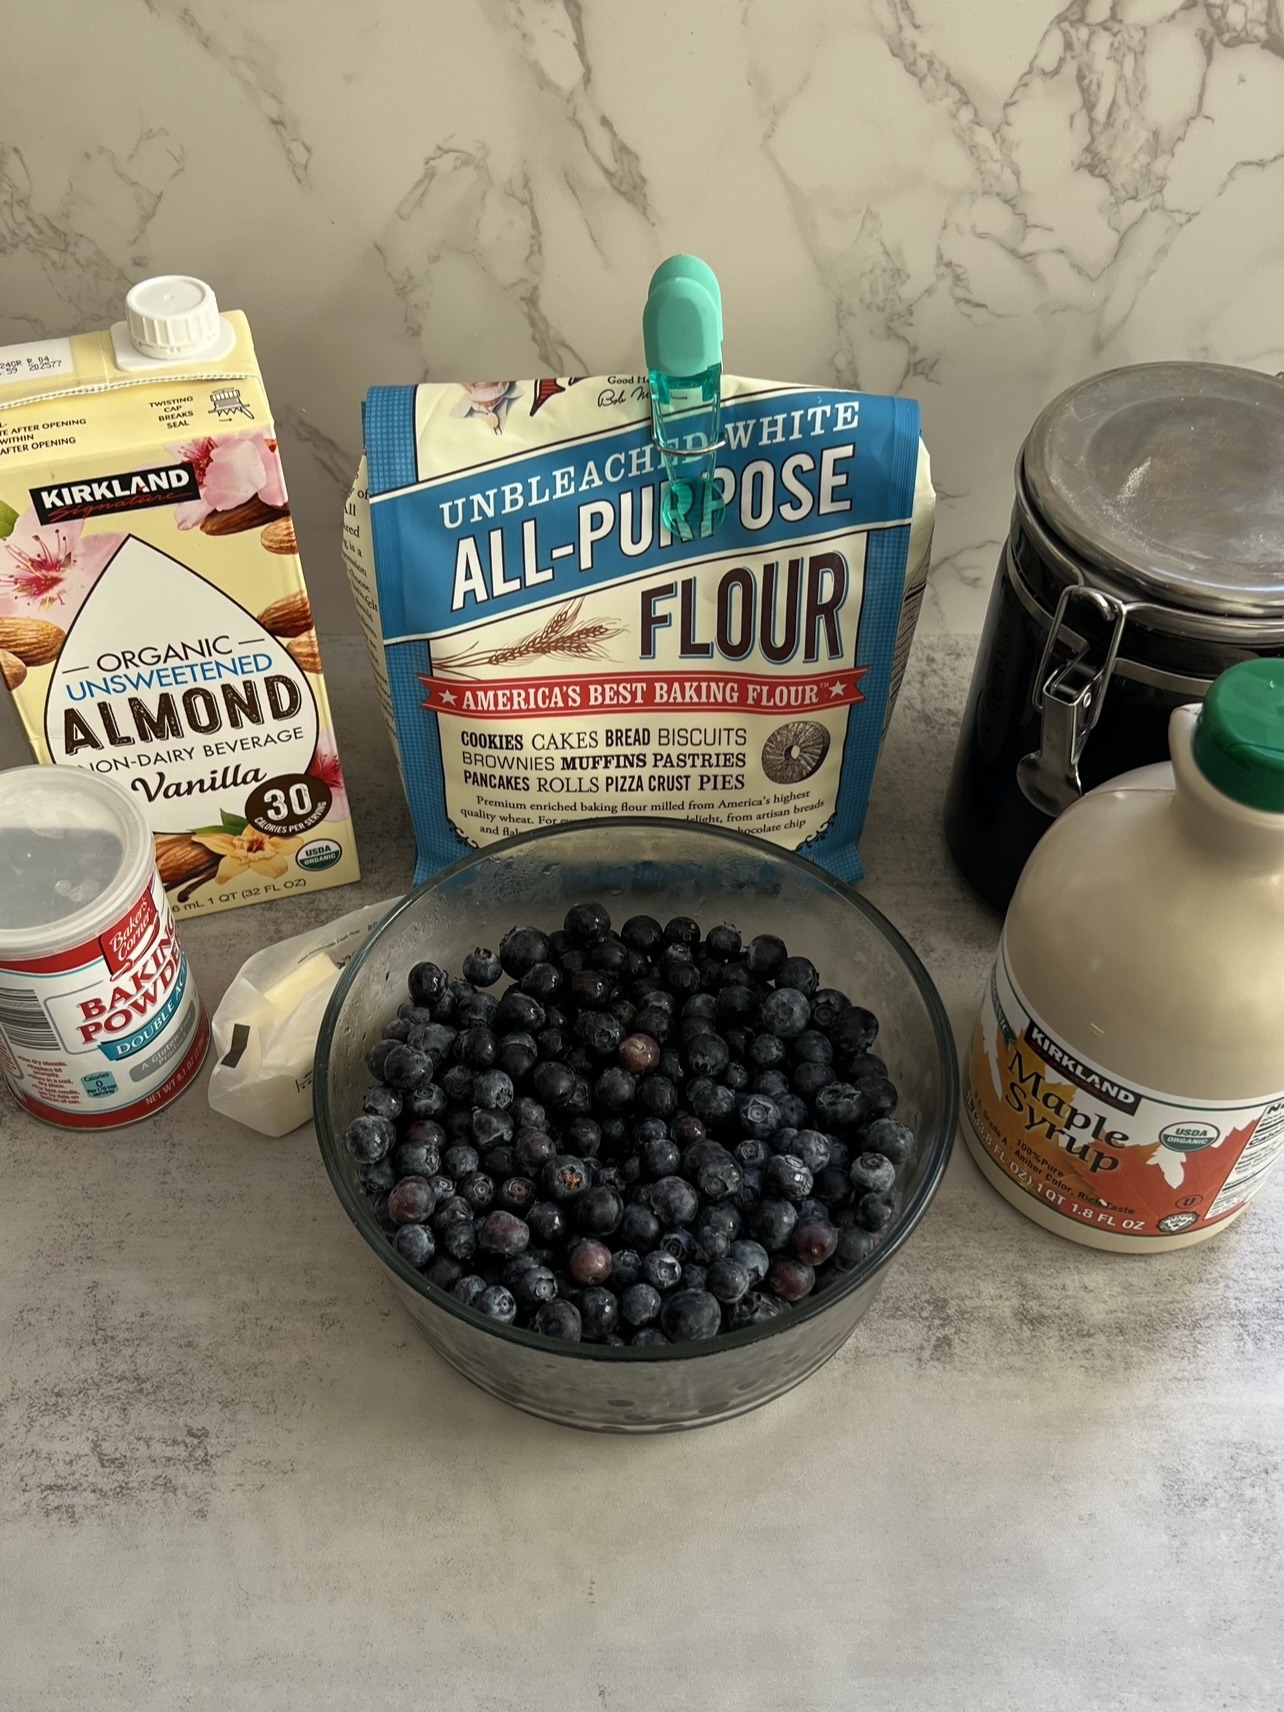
x: 827, y: 1004
x: 759, y: 1116
x: 688, y: 1315
x: 723, y: 941
x: 657, y: 1096
x: 895, y: 1141
x: 655, y: 1024
x: 752, y: 1256
x: 516, y: 1195
x: 476, y: 1047
x: 599, y: 1313
x: 369, y: 1139
x: 639, y: 1227
x: 443, y: 1187
x: 382, y: 1102
x: 503, y: 1234
x: 459, y: 1240
x: 457, y: 1082
x: 565, y: 1177
x: 598, y: 1210
x: 750, y: 1189
x: 419, y: 1155
x: 875, y: 1212
x: 468, y: 1290
x: 648, y: 1337
x: 790, y: 1279
x: 640, y: 1304
x: 477, y: 1010
x: 499, y: 1161
x: 786, y: 1012
x: 858, y: 1064
x: 482, y: 967
x: 763, y: 956
x: 812, y: 1148
x: 533, y: 1148
x: 626, y: 1268
x: 642, y: 933
x: 710, y: 1101
x: 587, y: 924
x: 559, y: 1319
x: 497, y: 1304
x: 766, y: 1051
x: 786, y: 1176
x: 460, y: 1160
x: 579, y: 1100
x: 873, y: 1174
x: 715, y: 1229
x: 719, y: 1176
x: 548, y: 1223
x: 534, y: 1286
x: 528, y: 1113
x: 879, y: 1095
x: 661, y: 1269
x: 444, y: 1272
x: 403, y: 1067
x: 411, y: 1201
x: 639, y: 1054
x: 679, y: 1243
x: 855, y: 1244
x: 756, y: 1309
x: 521, y: 949
x: 424, y: 1100
x: 414, y: 1243
x: 793, y: 1111
x: 728, y: 1280
x: 814, y: 1240
x: 426, y: 983
x: 673, y: 1200
x: 853, y: 1030
x: 772, y: 1222
x: 377, y: 1056
x: 518, y: 1055
x: 753, y: 1151
x: 542, y: 982
x: 832, y: 1186
x: 600, y: 1032
x: 707, y: 1055
x: 553, y: 1083
x: 398, y: 1029
x: 840, y: 1107
x: 800, y: 973
x: 615, y: 1089
x: 490, y: 1129
x: 810, y: 1078
x: 518, y: 1013
x: 589, y: 1261
x: 378, y: 1179
x: 583, y: 1137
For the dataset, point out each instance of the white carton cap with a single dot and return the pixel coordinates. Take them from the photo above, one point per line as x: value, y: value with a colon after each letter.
x: 172, y: 317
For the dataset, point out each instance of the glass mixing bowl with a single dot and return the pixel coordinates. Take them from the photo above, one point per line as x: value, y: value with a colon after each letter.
x: 660, y: 868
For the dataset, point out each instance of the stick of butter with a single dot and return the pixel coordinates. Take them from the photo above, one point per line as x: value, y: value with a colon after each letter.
x: 284, y: 994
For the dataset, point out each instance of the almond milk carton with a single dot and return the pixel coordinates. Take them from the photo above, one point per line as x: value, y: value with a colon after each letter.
x: 154, y: 624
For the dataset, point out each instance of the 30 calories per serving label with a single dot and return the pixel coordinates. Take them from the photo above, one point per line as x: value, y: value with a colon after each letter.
x: 1100, y: 1151
x: 107, y: 1031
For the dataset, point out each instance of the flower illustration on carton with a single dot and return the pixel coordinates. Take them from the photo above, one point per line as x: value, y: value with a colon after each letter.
x: 325, y: 766
x: 250, y: 851
x: 239, y: 479
x: 50, y: 567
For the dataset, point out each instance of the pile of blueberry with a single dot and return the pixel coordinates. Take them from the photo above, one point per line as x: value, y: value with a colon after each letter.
x: 649, y: 1137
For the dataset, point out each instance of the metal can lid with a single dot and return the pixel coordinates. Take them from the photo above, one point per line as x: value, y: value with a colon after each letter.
x: 1170, y: 478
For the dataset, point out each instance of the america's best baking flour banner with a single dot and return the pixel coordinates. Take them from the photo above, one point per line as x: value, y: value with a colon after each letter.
x: 547, y: 651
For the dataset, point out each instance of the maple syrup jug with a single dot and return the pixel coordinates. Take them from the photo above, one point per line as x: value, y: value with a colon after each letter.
x: 1145, y: 556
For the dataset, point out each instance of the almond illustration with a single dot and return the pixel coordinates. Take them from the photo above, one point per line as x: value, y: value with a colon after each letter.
x: 14, y: 669
x: 252, y: 515
x: 305, y: 651
x: 289, y: 616
x: 279, y: 537
x: 183, y: 862
x: 34, y: 640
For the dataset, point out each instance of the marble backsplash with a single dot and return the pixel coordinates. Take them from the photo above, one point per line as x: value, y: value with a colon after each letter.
x: 973, y: 203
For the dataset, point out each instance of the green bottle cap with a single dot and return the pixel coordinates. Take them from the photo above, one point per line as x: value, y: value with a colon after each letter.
x: 1239, y: 740
x: 682, y: 319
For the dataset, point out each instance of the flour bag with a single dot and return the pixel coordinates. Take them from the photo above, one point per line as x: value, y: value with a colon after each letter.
x: 546, y: 652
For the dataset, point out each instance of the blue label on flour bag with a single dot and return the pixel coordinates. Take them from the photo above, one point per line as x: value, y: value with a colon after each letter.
x: 548, y: 652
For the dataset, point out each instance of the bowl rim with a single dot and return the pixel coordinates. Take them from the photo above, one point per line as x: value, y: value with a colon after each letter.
x: 329, y: 1140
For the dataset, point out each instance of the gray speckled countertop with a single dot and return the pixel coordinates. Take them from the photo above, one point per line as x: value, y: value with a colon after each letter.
x: 232, y: 1475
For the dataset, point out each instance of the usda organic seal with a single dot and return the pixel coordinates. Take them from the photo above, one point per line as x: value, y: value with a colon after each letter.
x: 320, y: 853
x: 1190, y: 1136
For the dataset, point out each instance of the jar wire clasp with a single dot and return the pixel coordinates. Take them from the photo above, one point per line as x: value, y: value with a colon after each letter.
x: 1069, y: 689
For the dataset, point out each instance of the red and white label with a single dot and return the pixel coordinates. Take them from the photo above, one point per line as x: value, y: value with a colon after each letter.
x: 107, y: 1031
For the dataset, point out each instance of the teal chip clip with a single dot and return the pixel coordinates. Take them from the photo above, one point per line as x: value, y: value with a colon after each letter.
x: 682, y: 338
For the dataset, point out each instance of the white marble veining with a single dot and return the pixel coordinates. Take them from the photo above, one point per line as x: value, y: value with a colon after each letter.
x: 974, y: 203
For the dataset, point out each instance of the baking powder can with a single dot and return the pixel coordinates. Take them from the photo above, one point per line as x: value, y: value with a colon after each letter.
x: 100, y: 1020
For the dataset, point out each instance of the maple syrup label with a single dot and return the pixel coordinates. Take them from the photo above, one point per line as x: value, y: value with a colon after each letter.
x: 1100, y: 1150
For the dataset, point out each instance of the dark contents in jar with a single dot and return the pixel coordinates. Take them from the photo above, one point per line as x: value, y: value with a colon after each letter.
x: 680, y: 1136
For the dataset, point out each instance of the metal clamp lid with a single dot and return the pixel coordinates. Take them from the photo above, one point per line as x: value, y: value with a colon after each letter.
x: 1068, y: 694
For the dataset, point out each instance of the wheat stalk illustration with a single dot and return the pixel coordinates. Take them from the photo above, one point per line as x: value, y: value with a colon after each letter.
x: 563, y: 636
